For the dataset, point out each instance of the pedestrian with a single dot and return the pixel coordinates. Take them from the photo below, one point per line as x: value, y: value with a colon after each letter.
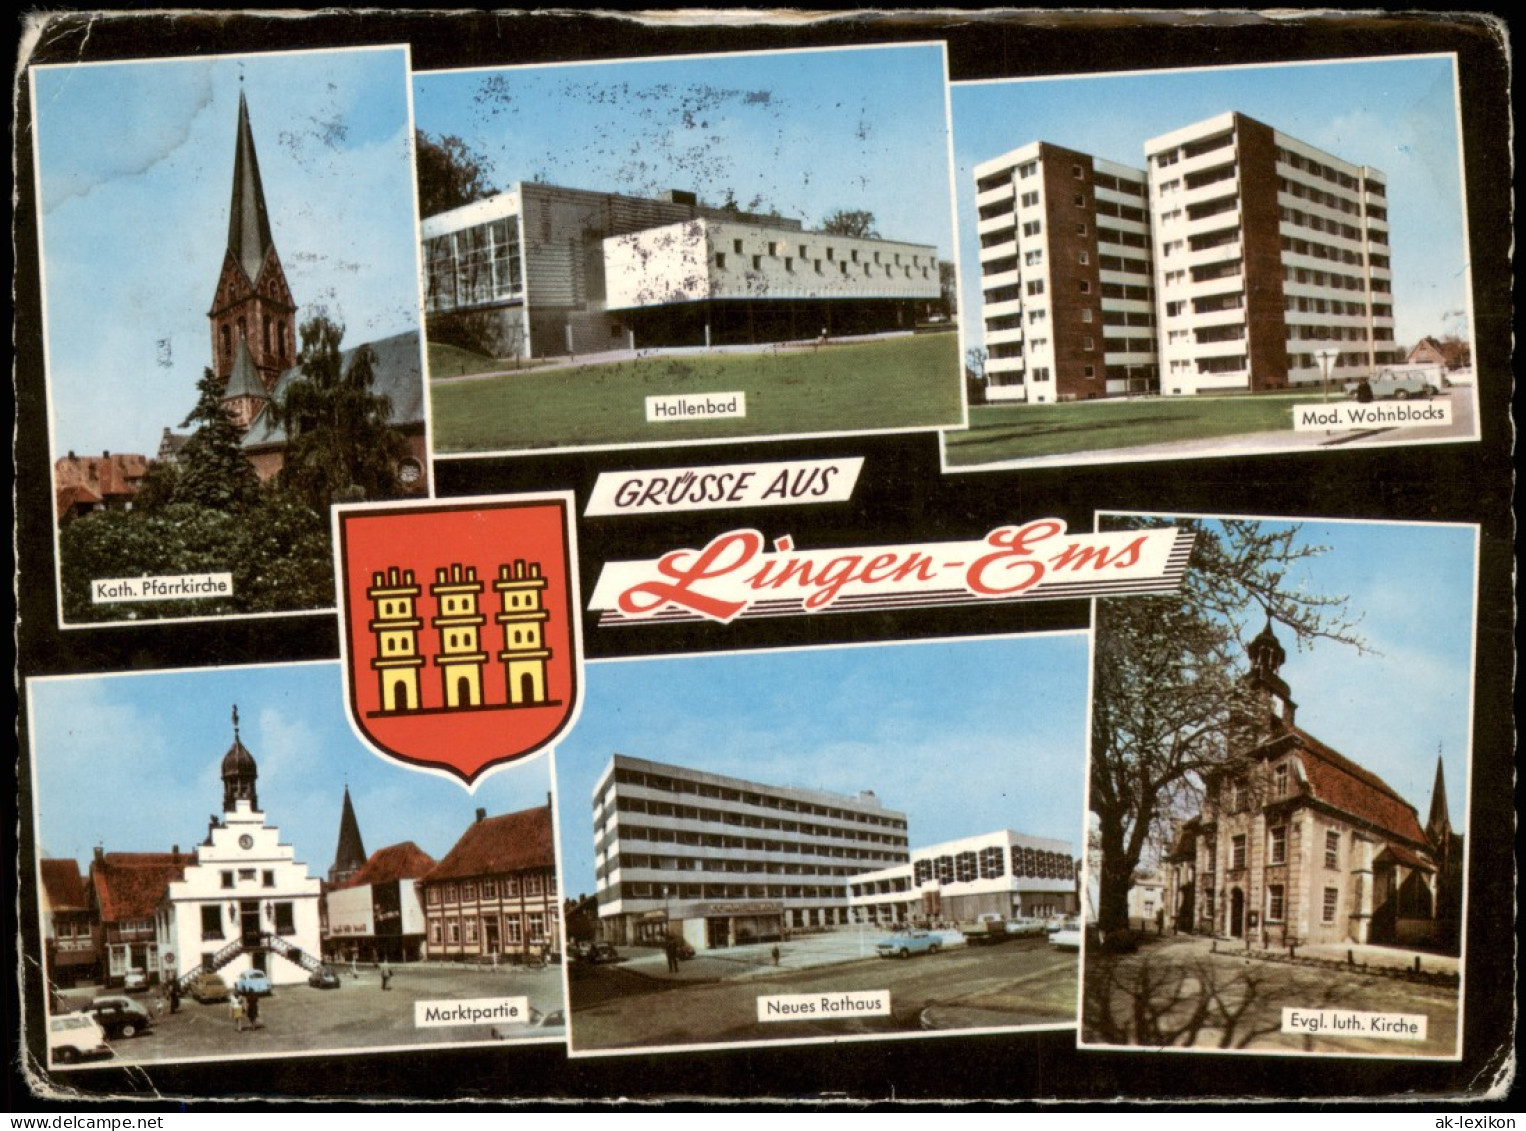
x: 236, y: 1011
x: 776, y: 954
x: 672, y: 948
x: 386, y: 975
x: 252, y: 1010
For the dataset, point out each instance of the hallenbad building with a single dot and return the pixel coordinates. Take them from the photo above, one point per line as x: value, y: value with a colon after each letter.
x: 719, y: 861
x: 1228, y: 264
x: 543, y: 270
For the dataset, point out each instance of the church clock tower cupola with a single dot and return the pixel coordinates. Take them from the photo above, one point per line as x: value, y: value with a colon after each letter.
x: 1266, y: 659
x: 239, y: 774
x: 252, y: 309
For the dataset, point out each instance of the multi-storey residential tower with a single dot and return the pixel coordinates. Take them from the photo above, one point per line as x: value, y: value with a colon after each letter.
x: 1065, y: 276
x: 718, y: 860
x: 1267, y: 251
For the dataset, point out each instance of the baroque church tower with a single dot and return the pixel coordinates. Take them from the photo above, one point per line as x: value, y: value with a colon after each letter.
x: 253, y: 316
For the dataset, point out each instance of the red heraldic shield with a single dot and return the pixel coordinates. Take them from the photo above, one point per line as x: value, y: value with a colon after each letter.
x: 460, y: 628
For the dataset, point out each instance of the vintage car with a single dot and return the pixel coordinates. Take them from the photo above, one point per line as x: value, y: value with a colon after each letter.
x: 74, y: 1037
x: 323, y: 978
x: 903, y: 944
x: 208, y: 986
x: 119, y: 1016
x: 135, y: 981
x: 255, y: 982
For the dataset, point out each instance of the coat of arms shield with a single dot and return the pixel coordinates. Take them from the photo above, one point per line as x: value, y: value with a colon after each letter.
x: 461, y: 634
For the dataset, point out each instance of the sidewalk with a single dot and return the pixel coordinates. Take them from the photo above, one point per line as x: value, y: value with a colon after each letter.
x: 756, y: 960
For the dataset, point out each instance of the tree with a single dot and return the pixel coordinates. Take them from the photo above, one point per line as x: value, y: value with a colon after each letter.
x: 1169, y: 702
x: 340, y: 443
x: 450, y: 173
x: 855, y: 222
x: 214, y: 472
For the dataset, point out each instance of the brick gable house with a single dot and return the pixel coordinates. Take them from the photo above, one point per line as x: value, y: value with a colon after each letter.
x: 495, y: 892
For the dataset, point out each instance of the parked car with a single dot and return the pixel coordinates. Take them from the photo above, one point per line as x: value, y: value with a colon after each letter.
x: 208, y: 986
x: 73, y: 1037
x: 323, y: 978
x: 255, y: 982
x: 119, y: 1016
x: 135, y: 981
x: 903, y: 944
x: 601, y: 952
x: 1027, y: 928
x: 1068, y: 938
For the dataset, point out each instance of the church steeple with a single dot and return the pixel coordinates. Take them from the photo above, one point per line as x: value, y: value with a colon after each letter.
x: 252, y: 306
x: 350, y: 854
x: 1438, y: 826
x: 1266, y: 659
x: 239, y: 773
x: 248, y: 222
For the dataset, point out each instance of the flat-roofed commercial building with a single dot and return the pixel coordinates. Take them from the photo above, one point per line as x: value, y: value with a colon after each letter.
x: 1267, y: 251
x: 542, y: 270
x: 1066, y: 276
x: 719, y: 861
x: 998, y: 873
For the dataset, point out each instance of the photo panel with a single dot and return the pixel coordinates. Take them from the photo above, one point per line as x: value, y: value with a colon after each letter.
x: 828, y: 844
x: 231, y: 344
x: 1219, y: 261
x: 667, y: 251
x: 330, y: 903
x: 1280, y: 773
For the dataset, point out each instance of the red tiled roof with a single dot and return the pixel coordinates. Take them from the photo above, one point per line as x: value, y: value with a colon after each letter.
x: 406, y: 861
x: 1406, y: 857
x: 1341, y: 783
x: 64, y: 885
x: 73, y: 497
x: 514, y: 842
x: 130, y: 885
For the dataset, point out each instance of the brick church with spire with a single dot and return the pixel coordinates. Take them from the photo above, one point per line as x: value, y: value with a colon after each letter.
x: 254, y: 327
x: 1298, y: 844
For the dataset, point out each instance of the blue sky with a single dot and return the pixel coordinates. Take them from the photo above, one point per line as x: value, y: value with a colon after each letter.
x: 1389, y: 710
x: 963, y: 737
x: 135, y: 171
x: 801, y: 132
x: 1398, y: 115
x: 133, y: 762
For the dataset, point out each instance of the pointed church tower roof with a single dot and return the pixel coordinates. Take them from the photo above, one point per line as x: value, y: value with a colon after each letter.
x: 350, y: 854
x: 1439, y: 820
x: 249, y: 237
x: 245, y: 380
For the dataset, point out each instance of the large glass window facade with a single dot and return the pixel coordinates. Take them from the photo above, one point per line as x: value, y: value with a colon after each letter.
x: 474, y: 267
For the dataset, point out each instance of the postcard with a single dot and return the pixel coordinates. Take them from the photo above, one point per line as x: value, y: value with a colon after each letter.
x: 659, y: 252
x: 1276, y: 862
x: 268, y: 929
x: 582, y: 558
x: 212, y: 298
x: 1224, y: 260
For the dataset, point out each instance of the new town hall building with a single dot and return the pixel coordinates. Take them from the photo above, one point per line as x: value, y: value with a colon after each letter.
x: 1225, y: 265
x: 720, y: 861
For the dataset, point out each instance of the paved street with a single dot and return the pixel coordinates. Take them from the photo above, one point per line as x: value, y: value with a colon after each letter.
x: 358, y: 1015
x: 1176, y: 991
x: 1024, y: 982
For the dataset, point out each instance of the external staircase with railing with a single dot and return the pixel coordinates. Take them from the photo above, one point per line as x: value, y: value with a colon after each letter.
x: 289, y: 951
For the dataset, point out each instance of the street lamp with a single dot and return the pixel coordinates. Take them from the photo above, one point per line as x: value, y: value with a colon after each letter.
x: 1327, y: 358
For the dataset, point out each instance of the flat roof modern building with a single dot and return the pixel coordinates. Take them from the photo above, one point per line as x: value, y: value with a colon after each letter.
x: 1267, y: 251
x: 998, y: 873
x: 542, y: 270
x: 1229, y: 265
x: 1066, y: 276
x: 719, y: 860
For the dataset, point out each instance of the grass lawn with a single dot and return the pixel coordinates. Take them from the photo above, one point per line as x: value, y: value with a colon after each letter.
x: 1023, y: 431
x: 903, y: 382
x: 453, y: 361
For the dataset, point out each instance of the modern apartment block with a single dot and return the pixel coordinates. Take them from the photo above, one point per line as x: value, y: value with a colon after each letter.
x: 718, y: 860
x: 1229, y: 266
x: 1267, y: 250
x: 1066, y: 276
x: 1000, y: 873
x: 543, y: 270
